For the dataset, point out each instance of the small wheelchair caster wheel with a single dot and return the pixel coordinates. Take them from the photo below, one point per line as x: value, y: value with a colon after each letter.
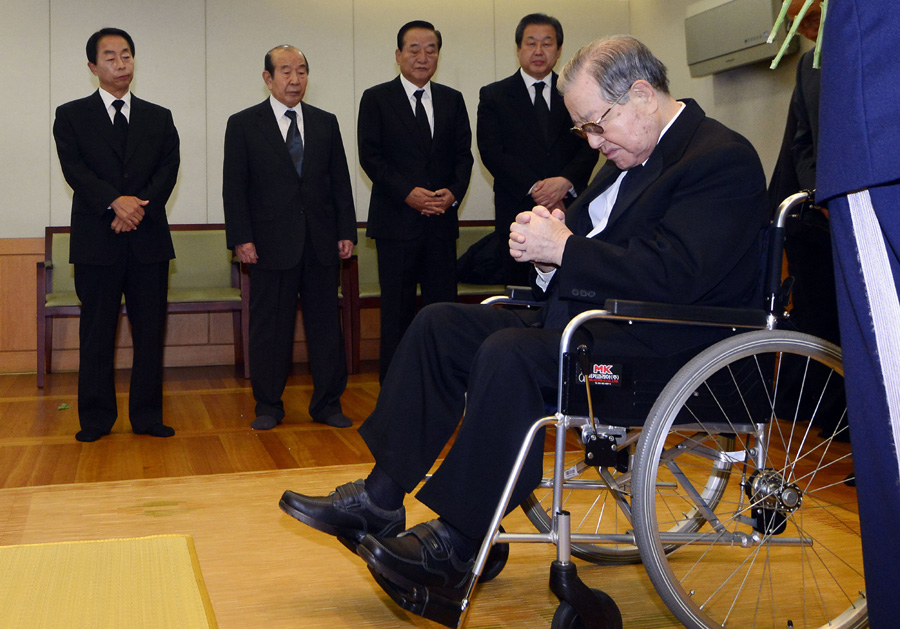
x: 605, y: 615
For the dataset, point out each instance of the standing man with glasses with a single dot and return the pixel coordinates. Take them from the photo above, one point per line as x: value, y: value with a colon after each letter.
x: 687, y: 230
x: 120, y: 156
x: 289, y: 215
x: 524, y: 141
x: 415, y: 144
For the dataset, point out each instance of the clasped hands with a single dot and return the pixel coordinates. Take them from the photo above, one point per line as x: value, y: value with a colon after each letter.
x: 428, y: 202
x: 551, y: 192
x: 539, y: 236
x: 129, y: 213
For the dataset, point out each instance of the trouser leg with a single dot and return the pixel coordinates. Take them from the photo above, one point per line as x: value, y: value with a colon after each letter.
x: 437, y: 275
x: 424, y: 395
x: 325, y: 347
x: 99, y: 288
x: 146, y: 287
x: 273, y: 316
x: 513, y: 373
x: 397, y: 278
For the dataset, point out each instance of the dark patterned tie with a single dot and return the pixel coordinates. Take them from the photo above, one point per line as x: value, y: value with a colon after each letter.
x: 294, y: 141
x: 422, y: 119
x: 540, y: 109
x: 120, y: 124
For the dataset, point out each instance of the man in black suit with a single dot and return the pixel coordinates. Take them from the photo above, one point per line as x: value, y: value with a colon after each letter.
x: 676, y: 214
x: 289, y: 215
x: 120, y: 155
x: 524, y: 141
x: 415, y: 146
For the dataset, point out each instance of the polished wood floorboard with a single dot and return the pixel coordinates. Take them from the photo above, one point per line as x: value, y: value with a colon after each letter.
x: 210, y: 408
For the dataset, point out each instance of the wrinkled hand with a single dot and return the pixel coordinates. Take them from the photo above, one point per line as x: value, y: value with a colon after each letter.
x: 539, y: 236
x: 550, y: 192
x: 129, y: 210
x: 345, y: 249
x: 119, y: 226
x: 428, y: 202
x: 246, y: 253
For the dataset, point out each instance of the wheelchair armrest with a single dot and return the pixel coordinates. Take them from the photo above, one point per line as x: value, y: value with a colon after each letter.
x: 679, y: 313
x: 520, y: 293
x: 515, y: 296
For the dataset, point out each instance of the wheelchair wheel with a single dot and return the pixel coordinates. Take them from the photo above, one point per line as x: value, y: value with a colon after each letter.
x: 565, y: 616
x: 594, y: 508
x: 781, y: 546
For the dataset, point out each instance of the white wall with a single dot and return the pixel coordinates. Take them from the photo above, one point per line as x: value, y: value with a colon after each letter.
x: 752, y: 100
x: 203, y: 59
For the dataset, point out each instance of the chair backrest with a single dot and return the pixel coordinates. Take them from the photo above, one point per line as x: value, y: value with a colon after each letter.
x: 202, y: 259
x: 56, y: 250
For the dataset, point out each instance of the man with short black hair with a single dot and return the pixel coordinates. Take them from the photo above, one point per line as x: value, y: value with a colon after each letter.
x: 415, y: 145
x: 120, y: 155
x: 524, y: 141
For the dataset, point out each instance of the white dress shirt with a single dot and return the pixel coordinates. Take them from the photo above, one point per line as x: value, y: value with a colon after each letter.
x: 284, y: 123
x: 427, y: 103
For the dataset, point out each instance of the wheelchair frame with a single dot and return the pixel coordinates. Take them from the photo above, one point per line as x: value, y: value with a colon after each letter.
x: 773, y: 497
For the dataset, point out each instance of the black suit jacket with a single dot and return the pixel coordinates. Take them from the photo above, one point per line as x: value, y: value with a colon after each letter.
x: 397, y: 160
x: 688, y: 230
x: 795, y: 169
x: 98, y: 172
x: 269, y: 204
x: 515, y: 152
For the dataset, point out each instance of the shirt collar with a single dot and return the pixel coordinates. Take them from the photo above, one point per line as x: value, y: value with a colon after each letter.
x: 279, y: 108
x: 411, y: 89
x: 530, y: 80
x: 666, y: 128
x: 109, y: 98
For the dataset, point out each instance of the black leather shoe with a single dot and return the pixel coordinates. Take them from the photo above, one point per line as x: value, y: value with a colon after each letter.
x: 347, y: 513
x: 420, y: 570
x: 265, y: 422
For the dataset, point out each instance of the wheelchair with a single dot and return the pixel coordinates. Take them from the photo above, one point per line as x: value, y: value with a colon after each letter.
x: 732, y: 481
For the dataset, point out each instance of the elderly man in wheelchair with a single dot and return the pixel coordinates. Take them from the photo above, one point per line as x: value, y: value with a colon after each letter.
x: 676, y: 215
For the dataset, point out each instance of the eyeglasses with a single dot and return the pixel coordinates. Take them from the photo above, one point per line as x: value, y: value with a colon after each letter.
x: 595, y: 128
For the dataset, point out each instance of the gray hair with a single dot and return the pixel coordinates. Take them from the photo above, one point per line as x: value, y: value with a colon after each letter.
x: 615, y: 63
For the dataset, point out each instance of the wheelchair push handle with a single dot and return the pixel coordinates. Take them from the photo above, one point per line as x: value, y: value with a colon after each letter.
x: 773, y: 287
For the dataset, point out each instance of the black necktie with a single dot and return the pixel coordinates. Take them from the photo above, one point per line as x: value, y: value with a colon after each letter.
x: 628, y: 181
x: 422, y: 119
x: 120, y: 124
x: 540, y: 109
x: 294, y: 141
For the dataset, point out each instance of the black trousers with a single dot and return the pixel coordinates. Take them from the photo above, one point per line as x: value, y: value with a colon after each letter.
x: 429, y: 262
x: 273, y: 318
x: 495, y: 366
x: 100, y: 289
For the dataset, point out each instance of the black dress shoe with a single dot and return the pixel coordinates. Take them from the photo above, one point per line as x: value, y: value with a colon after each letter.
x: 338, y: 420
x: 88, y: 435
x: 265, y: 422
x: 157, y: 430
x: 347, y: 513
x: 421, y: 571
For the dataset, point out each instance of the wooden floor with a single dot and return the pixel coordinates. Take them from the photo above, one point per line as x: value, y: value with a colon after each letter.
x: 210, y: 408
x: 219, y: 481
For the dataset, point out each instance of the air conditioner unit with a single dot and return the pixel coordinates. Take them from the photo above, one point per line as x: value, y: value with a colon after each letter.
x: 726, y: 34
